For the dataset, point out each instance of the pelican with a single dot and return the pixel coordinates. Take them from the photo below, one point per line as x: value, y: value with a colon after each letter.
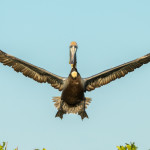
x: 73, y: 87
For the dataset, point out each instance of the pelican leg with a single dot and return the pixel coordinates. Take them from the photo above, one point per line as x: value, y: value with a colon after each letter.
x: 83, y: 113
x: 60, y: 112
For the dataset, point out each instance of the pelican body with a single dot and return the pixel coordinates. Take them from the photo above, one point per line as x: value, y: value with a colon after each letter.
x: 73, y: 93
x: 72, y: 99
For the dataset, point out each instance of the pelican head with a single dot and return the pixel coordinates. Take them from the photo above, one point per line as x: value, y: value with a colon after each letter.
x: 73, y: 49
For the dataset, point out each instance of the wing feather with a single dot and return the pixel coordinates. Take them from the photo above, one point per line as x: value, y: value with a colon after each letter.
x: 109, y: 75
x: 31, y: 71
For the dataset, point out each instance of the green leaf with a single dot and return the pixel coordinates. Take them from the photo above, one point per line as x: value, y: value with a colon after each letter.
x: 1, y: 147
x: 130, y: 146
x: 4, y: 144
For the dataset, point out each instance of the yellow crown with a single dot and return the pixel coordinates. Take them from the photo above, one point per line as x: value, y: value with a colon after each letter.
x: 73, y: 43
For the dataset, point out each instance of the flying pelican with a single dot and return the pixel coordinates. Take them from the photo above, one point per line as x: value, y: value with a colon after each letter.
x: 73, y: 87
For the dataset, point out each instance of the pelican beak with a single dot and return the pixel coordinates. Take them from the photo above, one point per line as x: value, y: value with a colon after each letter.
x: 73, y: 50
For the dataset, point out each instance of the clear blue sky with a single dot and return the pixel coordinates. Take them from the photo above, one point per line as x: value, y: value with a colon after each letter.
x: 108, y: 33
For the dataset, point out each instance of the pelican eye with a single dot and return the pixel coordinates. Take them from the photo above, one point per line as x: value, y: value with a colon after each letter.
x: 72, y: 46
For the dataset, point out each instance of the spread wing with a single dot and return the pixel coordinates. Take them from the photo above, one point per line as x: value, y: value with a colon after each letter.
x: 31, y: 71
x: 109, y: 75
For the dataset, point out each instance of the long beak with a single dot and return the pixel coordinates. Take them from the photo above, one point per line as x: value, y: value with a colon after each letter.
x: 73, y: 50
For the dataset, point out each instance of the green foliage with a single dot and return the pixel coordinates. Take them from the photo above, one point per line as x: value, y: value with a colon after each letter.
x: 130, y: 146
x: 4, y: 147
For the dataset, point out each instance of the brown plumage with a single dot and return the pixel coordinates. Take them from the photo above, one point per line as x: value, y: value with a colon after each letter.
x: 109, y: 75
x: 73, y: 93
x: 36, y: 73
x: 72, y: 99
